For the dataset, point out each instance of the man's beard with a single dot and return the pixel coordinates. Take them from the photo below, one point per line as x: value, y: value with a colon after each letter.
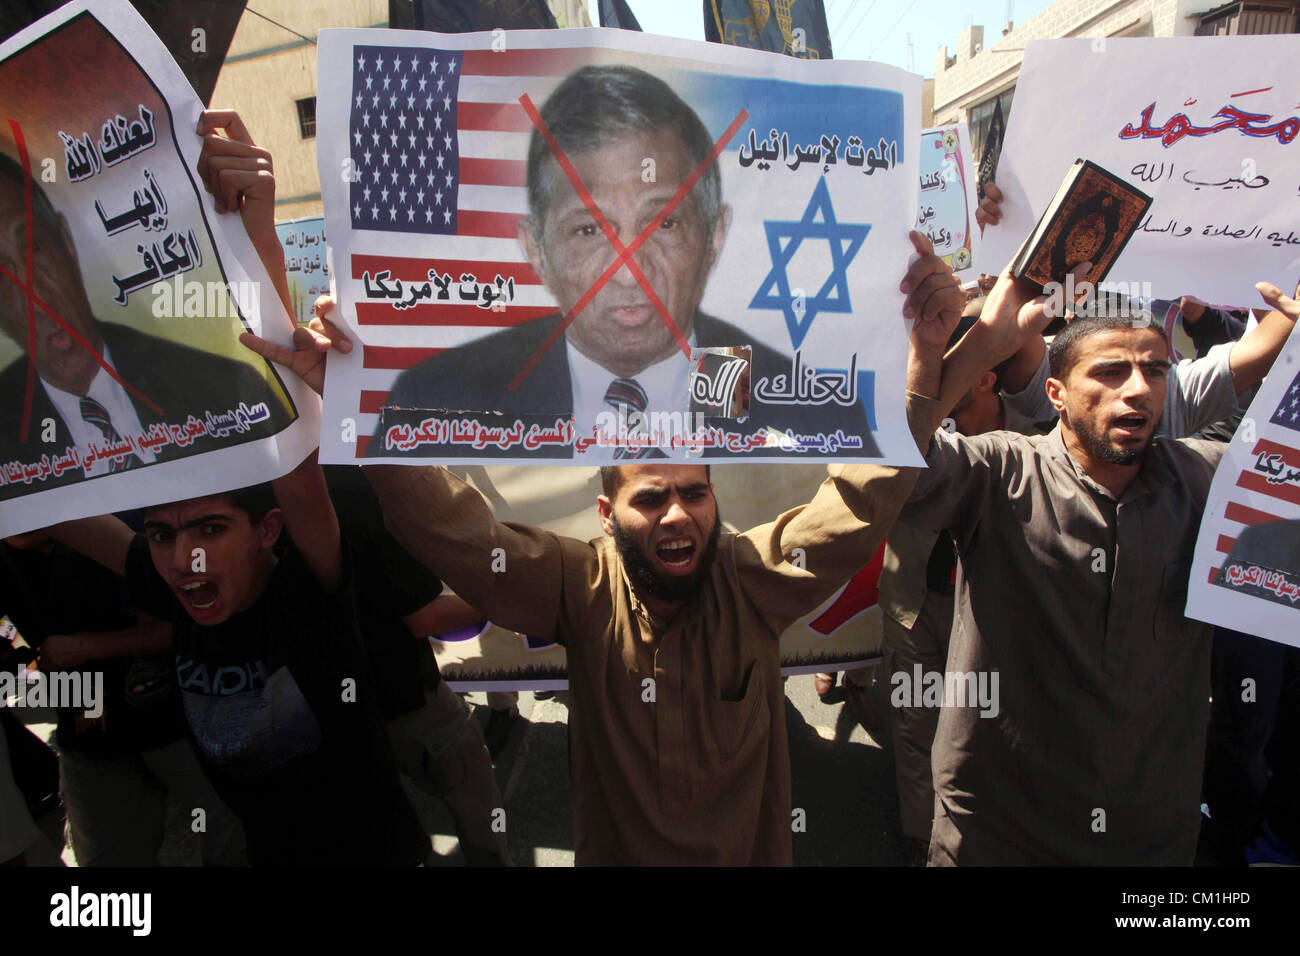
x: 1096, y: 445
x: 665, y: 587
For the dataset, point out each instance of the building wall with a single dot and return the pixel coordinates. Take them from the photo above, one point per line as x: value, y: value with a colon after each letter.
x: 973, y: 77
x: 268, y: 69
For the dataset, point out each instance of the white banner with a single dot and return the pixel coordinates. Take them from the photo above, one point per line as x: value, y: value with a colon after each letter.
x: 716, y: 273
x: 1206, y: 126
x: 122, y: 291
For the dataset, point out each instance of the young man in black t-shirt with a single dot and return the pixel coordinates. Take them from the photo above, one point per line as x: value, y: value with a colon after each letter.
x: 277, y: 692
x: 121, y: 761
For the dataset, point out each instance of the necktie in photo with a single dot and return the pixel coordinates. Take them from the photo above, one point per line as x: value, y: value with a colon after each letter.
x: 93, y: 413
x: 625, y: 396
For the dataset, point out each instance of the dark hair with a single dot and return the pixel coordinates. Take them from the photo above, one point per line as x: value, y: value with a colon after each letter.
x: 597, y: 104
x: 1062, y: 354
x: 254, y: 500
x: 964, y: 325
x: 43, y: 210
x: 611, y: 477
x: 257, y: 500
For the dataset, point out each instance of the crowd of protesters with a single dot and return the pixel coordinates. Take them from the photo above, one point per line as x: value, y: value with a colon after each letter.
x: 283, y: 686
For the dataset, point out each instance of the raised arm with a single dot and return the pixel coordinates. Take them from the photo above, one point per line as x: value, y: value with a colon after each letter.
x: 309, y: 515
x: 105, y: 539
x: 520, y: 577
x: 1253, y: 355
x: 241, y: 177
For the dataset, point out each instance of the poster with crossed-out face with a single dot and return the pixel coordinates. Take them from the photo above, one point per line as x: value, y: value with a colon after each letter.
x: 597, y: 246
x: 122, y: 292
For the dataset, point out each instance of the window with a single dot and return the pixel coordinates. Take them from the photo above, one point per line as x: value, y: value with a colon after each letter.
x: 981, y: 116
x: 307, y: 117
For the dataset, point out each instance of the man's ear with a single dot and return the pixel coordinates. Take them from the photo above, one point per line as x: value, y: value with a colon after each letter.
x: 605, y: 508
x: 269, y: 527
x: 531, y: 246
x: 986, y: 382
x: 1056, y: 394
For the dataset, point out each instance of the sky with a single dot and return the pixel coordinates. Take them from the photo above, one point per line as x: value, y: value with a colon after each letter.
x: 862, y: 29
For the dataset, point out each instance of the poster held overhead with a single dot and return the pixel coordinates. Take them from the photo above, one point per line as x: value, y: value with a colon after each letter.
x: 535, y: 230
x: 1215, y: 149
x: 122, y: 291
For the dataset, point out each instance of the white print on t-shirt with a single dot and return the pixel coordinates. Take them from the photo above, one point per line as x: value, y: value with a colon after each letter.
x: 250, y: 732
x: 228, y: 679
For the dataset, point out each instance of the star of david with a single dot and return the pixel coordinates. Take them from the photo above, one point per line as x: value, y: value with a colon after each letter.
x: 783, y: 241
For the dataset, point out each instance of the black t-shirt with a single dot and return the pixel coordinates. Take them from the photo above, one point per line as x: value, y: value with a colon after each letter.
x: 305, y: 764
x: 390, y: 584
x: 63, y: 592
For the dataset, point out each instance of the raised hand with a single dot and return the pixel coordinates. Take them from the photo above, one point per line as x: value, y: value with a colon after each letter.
x: 311, y: 342
x: 238, y: 173
x: 989, y: 211
x: 1280, y: 302
x: 935, y: 298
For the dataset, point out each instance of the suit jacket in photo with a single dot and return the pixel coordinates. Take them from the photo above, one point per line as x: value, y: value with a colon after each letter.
x: 1271, y: 548
x: 180, y: 380
x: 474, y: 377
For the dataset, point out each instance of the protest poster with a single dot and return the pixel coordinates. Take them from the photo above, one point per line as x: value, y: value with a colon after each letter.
x: 1213, y: 146
x: 684, y: 199
x: 946, y: 211
x: 841, y: 633
x: 306, y: 263
x: 124, y: 287
x: 1246, y: 571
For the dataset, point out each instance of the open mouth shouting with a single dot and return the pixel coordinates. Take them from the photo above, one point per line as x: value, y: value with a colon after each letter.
x: 200, y: 596
x: 677, y: 554
x: 1131, y: 425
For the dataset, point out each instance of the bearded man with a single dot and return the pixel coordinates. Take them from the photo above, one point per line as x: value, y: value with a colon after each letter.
x: 1075, y: 551
x: 677, y: 742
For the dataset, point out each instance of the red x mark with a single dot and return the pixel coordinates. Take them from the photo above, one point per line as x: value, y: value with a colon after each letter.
x: 33, y: 300
x: 625, y: 253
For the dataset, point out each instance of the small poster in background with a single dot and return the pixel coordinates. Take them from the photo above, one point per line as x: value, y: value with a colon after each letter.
x: 306, y: 263
x: 947, y: 203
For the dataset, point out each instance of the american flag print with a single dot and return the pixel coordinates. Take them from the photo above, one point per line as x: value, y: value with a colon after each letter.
x: 1287, y: 413
x: 438, y: 142
x: 405, y: 146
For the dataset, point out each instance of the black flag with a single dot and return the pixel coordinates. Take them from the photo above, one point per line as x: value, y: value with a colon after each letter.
x: 796, y: 28
x: 615, y: 13
x: 992, y: 147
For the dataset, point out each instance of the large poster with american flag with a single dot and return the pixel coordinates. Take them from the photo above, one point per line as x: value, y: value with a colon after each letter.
x: 1246, y: 574
x: 592, y: 245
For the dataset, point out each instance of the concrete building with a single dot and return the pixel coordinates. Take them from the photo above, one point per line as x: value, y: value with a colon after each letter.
x: 970, y: 80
